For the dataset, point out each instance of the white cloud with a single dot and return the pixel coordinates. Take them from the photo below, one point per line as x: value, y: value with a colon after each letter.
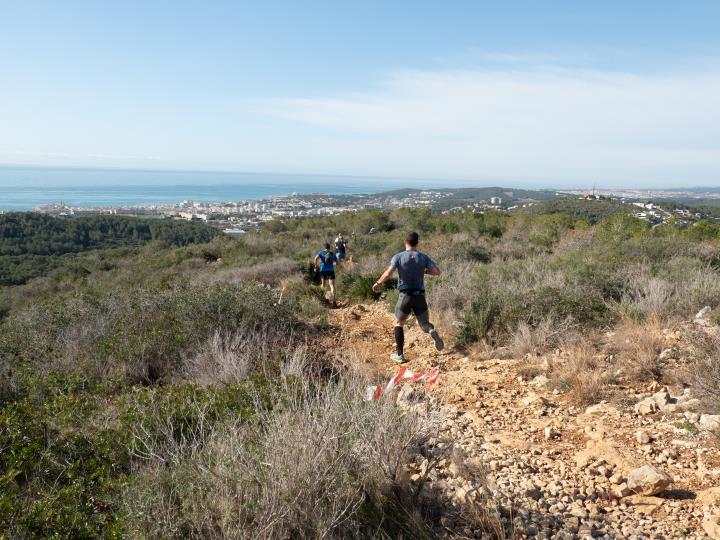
x: 533, y: 122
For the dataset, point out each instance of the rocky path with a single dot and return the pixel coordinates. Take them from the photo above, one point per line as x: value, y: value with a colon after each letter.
x: 640, y: 467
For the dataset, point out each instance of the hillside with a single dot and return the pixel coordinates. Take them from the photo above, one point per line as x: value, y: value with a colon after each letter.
x: 591, y: 211
x: 31, y: 244
x: 209, y: 390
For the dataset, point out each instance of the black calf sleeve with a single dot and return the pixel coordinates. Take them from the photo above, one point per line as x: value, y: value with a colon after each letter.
x: 399, y: 339
x: 426, y: 327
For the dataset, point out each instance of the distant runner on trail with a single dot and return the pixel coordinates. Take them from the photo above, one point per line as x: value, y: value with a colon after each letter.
x: 325, y: 262
x: 340, y: 247
x: 411, y: 266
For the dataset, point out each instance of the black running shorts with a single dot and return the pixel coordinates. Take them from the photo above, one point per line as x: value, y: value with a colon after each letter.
x: 415, y: 304
x: 327, y: 274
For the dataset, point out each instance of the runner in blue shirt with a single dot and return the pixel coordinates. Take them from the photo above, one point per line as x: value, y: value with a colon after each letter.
x: 411, y: 266
x: 325, y: 262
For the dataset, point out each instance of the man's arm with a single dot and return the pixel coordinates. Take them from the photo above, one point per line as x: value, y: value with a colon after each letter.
x: 432, y: 269
x: 386, y: 275
x: 315, y: 261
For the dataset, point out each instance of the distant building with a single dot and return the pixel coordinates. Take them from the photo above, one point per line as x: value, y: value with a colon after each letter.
x: 495, y: 200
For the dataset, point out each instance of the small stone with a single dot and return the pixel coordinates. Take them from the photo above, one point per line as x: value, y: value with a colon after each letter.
x: 404, y: 395
x: 621, y: 490
x: 540, y: 380
x: 534, y: 493
x: 550, y: 433
x: 616, y: 479
x: 642, y: 437
x: 460, y: 494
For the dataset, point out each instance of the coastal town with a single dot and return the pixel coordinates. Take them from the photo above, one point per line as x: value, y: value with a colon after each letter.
x: 240, y: 217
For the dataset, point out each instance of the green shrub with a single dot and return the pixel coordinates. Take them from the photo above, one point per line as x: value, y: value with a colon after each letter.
x: 68, y: 454
x: 479, y: 319
x: 478, y: 253
x: 358, y: 287
x: 60, y: 470
x: 144, y: 334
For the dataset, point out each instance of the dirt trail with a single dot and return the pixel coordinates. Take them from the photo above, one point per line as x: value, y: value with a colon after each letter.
x: 563, y: 467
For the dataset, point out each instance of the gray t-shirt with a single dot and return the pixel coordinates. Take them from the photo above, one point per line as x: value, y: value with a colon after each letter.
x: 411, y: 266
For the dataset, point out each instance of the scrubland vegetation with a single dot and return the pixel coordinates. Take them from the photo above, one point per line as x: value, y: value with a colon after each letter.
x: 175, y: 388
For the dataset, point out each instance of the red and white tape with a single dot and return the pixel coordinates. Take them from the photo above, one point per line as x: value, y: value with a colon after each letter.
x: 374, y: 392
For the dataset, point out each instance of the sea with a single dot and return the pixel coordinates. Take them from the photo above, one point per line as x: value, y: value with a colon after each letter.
x: 25, y: 187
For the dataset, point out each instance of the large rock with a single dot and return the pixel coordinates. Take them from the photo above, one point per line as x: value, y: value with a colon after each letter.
x: 534, y: 400
x: 663, y: 398
x: 540, y: 381
x: 615, y: 454
x: 710, y: 422
x: 405, y: 395
x: 648, y: 480
x: 710, y: 499
x: 659, y: 401
x: 601, y: 409
x: 646, y: 406
x: 701, y: 318
x: 711, y: 526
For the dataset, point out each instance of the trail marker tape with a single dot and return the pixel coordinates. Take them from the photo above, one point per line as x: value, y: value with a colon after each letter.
x: 374, y: 392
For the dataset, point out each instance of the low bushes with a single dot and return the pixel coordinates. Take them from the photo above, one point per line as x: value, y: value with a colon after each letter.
x: 357, y: 287
x: 505, y: 296
x: 67, y: 457
x: 326, y: 465
x: 141, y: 335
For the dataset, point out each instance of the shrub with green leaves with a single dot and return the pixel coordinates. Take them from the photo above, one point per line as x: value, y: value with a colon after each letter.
x: 143, y: 334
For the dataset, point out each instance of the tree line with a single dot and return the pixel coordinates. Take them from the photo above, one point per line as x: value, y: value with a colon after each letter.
x: 32, y: 244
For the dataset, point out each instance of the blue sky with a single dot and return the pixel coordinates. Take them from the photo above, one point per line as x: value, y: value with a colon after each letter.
x: 539, y: 93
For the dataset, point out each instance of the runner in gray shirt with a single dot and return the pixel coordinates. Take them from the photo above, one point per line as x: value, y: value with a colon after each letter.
x: 411, y: 266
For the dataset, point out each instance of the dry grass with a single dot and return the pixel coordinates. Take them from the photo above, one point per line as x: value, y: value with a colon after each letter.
x: 636, y: 346
x: 327, y: 465
x: 684, y: 286
x: 631, y: 351
x: 582, y: 376
x: 229, y: 358
x: 448, y: 295
x: 549, y: 334
x: 704, y: 372
x: 271, y: 273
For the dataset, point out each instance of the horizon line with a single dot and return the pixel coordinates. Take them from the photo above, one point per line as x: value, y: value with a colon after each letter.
x: 548, y: 187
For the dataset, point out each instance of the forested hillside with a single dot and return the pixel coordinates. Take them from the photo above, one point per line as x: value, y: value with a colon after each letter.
x: 33, y: 244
